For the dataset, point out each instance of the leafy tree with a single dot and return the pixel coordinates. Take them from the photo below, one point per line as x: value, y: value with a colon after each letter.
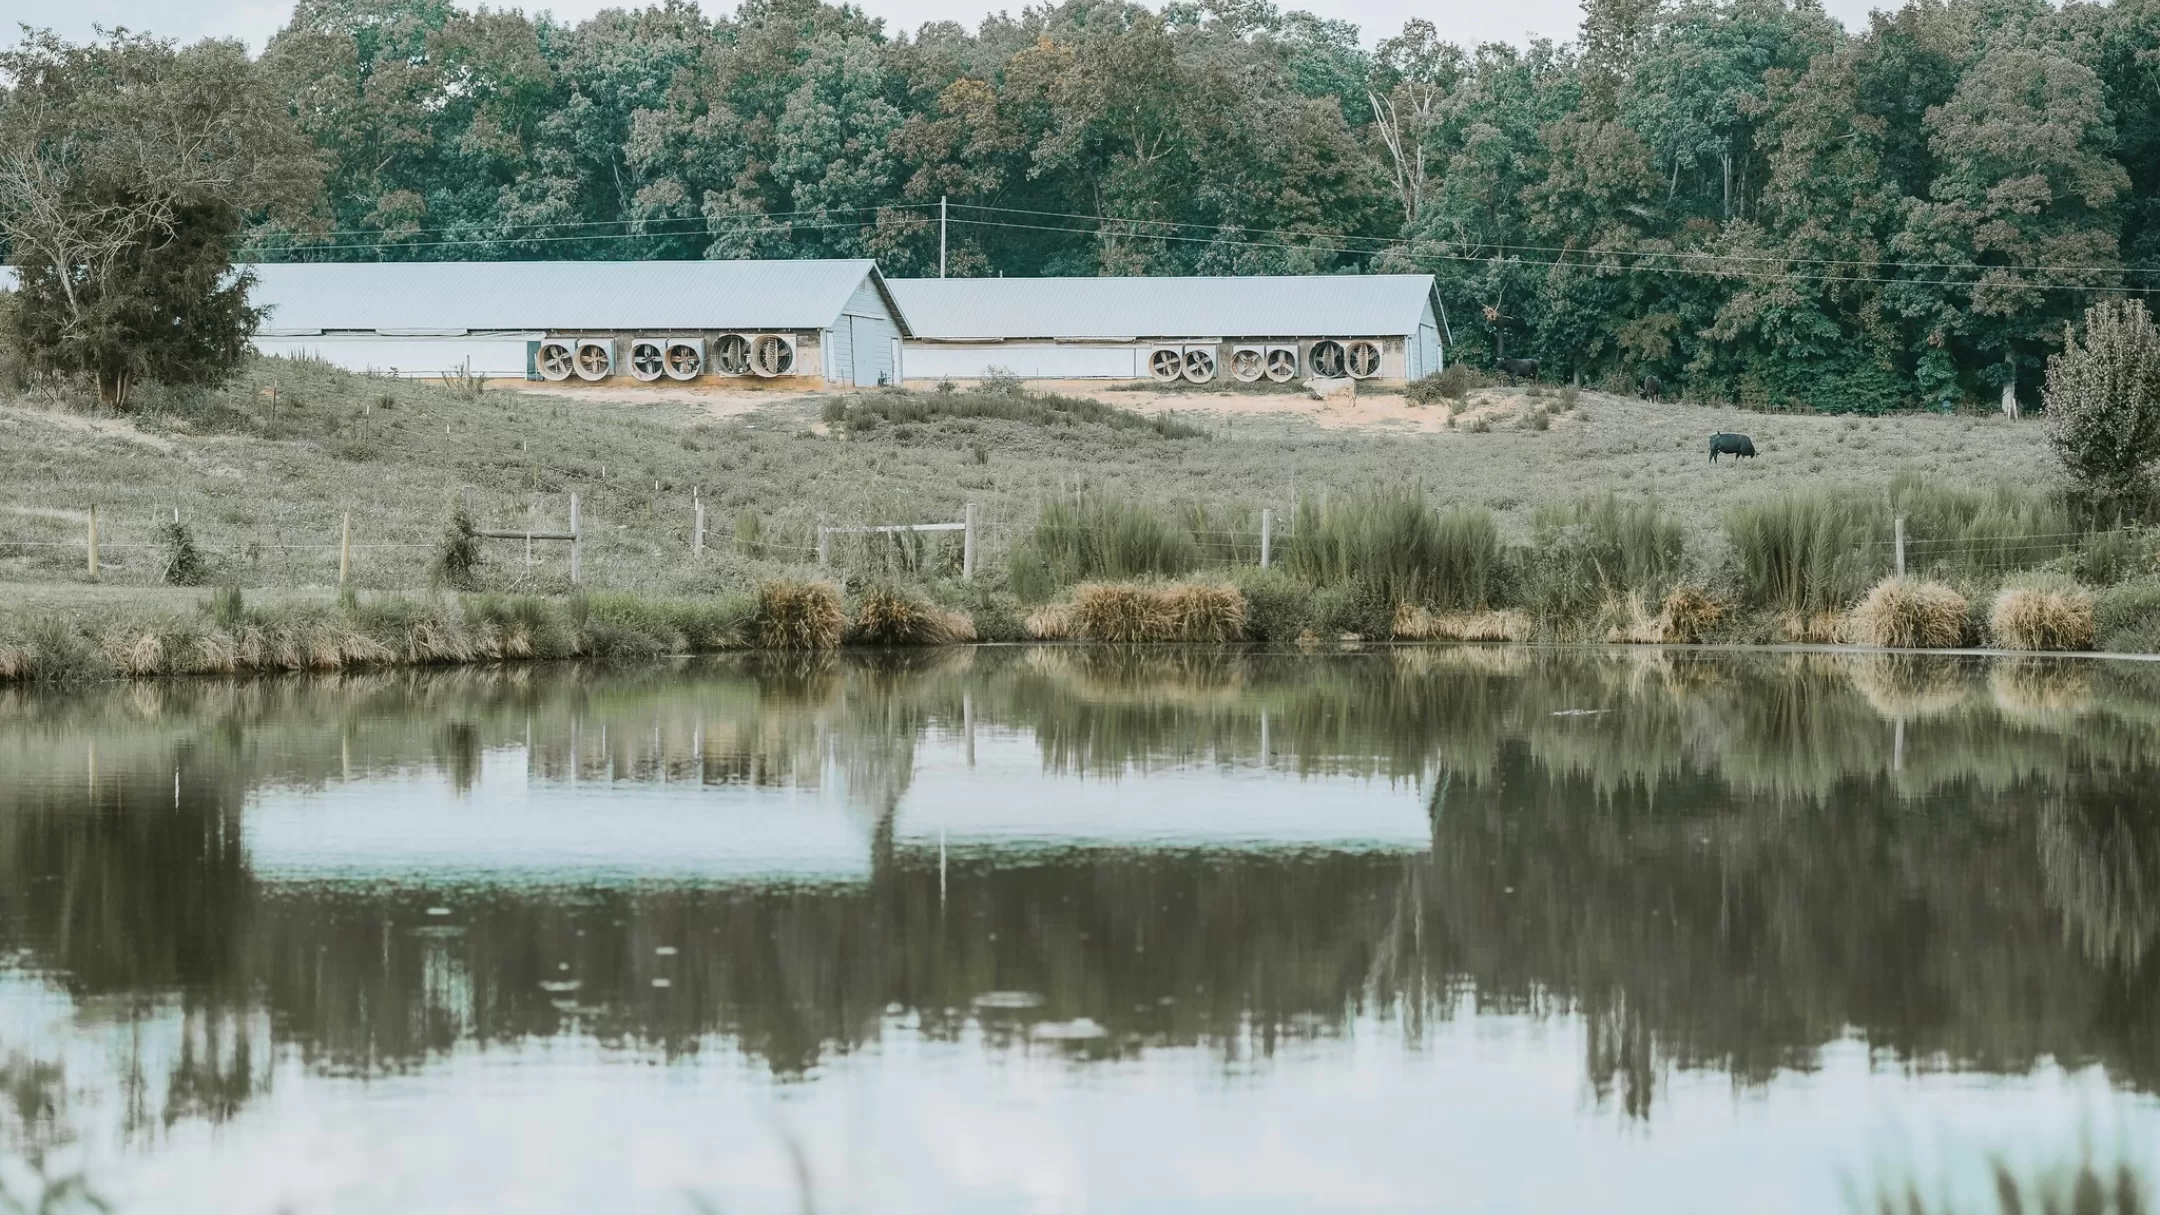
x: 126, y: 170
x: 2103, y: 402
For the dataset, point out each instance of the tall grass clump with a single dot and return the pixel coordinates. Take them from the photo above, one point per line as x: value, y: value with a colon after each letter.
x: 2042, y: 613
x: 1598, y: 551
x: 1910, y: 614
x: 889, y: 616
x: 1390, y: 541
x: 1093, y: 535
x: 1957, y: 531
x: 1805, y: 551
x: 2126, y: 619
x: 50, y: 650
x: 994, y: 399
x: 1129, y: 614
x: 797, y: 615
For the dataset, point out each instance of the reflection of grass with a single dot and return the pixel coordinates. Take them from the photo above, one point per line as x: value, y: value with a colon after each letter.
x: 2088, y: 1187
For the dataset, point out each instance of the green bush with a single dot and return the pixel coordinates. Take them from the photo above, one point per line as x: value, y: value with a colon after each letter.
x: 2126, y: 618
x: 1608, y: 545
x: 184, y: 564
x: 458, y: 556
x: 1954, y: 531
x: 1091, y: 536
x: 1806, y: 550
x: 1390, y: 540
x: 1450, y: 384
x: 864, y: 414
x: 1278, y: 607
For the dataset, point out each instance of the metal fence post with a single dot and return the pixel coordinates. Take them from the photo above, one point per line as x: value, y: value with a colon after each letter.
x: 577, y: 543
x: 697, y: 531
x: 1267, y: 534
x: 93, y: 540
x: 1900, y: 531
x: 344, y: 552
x: 967, y: 545
x: 824, y: 546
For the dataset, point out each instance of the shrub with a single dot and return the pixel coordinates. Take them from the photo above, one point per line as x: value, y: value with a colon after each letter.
x: 1388, y: 539
x: 458, y: 556
x: 1278, y: 607
x: 184, y: 564
x: 1452, y: 383
x: 1480, y: 425
x: 797, y: 615
x: 1965, y: 531
x: 1909, y: 614
x: 1537, y: 419
x: 2042, y: 613
x: 866, y: 413
x: 1806, y: 551
x: 1599, y: 549
x: 1127, y: 614
x: 50, y: 650
x: 888, y: 616
x: 2126, y: 619
x: 1417, y: 624
x: 1094, y: 535
x: 2103, y: 401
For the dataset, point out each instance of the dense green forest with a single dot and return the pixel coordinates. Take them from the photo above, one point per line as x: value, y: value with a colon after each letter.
x: 1738, y: 196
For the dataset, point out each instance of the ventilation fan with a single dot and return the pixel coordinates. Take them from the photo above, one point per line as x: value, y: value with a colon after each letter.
x: 772, y: 354
x: 684, y: 358
x: 648, y: 359
x: 1362, y: 359
x: 1248, y: 364
x: 731, y: 354
x: 595, y: 359
x: 1199, y: 363
x: 1166, y: 363
x: 1327, y: 358
x: 1282, y: 363
x: 556, y: 359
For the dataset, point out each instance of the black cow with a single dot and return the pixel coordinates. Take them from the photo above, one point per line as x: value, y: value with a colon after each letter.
x: 1732, y: 445
x: 1519, y: 367
x: 1652, y: 388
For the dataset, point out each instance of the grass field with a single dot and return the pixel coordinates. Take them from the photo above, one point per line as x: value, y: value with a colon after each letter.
x: 265, y: 470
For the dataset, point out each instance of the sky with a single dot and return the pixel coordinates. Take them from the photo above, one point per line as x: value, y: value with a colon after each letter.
x: 1467, y: 22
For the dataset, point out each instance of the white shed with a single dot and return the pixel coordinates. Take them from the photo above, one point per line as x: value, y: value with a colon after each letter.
x: 828, y: 322
x: 1252, y: 329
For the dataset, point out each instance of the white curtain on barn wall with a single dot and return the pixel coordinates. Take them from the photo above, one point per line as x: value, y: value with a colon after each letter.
x: 489, y: 354
x: 1042, y: 361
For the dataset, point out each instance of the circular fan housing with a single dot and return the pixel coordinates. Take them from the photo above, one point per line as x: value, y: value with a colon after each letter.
x: 1362, y: 359
x: 1199, y: 364
x: 595, y: 359
x: 683, y: 359
x: 1166, y: 363
x: 771, y: 355
x: 1327, y: 358
x: 648, y: 359
x: 731, y: 354
x: 1282, y: 364
x: 556, y: 360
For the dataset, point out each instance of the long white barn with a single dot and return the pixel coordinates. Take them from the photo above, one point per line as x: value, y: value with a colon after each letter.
x: 827, y: 322
x: 1255, y: 328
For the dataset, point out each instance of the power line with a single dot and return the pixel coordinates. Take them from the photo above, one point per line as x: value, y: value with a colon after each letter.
x: 599, y: 223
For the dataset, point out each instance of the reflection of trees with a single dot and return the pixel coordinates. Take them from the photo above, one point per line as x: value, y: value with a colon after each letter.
x: 1717, y: 862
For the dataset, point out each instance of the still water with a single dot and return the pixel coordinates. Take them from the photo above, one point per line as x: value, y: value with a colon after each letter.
x: 1067, y: 930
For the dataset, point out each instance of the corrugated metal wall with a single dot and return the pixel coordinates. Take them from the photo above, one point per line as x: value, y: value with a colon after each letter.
x: 871, y: 333
x: 490, y: 354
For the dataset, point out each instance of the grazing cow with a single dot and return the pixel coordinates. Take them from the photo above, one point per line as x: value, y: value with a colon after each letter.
x: 1652, y: 389
x: 1519, y: 367
x: 1732, y: 445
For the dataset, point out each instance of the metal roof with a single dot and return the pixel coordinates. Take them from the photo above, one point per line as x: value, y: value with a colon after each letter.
x: 455, y: 297
x: 1337, y: 305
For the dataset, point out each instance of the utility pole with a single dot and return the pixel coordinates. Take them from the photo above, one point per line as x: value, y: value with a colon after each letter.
x: 941, y: 236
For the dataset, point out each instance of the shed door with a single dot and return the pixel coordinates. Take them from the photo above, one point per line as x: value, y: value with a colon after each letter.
x: 864, y: 341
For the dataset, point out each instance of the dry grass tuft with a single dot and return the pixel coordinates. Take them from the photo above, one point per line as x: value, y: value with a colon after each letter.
x: 1911, y: 686
x: 2041, y: 689
x: 1685, y: 618
x: 1125, y: 614
x: 1814, y: 628
x: 1418, y: 624
x: 2042, y: 617
x: 797, y: 615
x: 887, y: 616
x: 1909, y: 614
x: 134, y: 651
x: 1051, y: 623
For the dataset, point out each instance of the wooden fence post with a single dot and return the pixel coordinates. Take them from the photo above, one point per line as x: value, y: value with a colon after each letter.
x: 1267, y: 534
x: 697, y: 531
x: 344, y: 550
x: 577, y: 543
x: 93, y: 540
x: 824, y: 546
x: 967, y: 545
x: 1900, y: 531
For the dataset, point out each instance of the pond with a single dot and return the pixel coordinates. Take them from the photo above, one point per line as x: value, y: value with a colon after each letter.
x: 1062, y: 929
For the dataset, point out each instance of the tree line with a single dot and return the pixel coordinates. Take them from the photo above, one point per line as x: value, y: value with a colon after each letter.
x: 1738, y: 196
